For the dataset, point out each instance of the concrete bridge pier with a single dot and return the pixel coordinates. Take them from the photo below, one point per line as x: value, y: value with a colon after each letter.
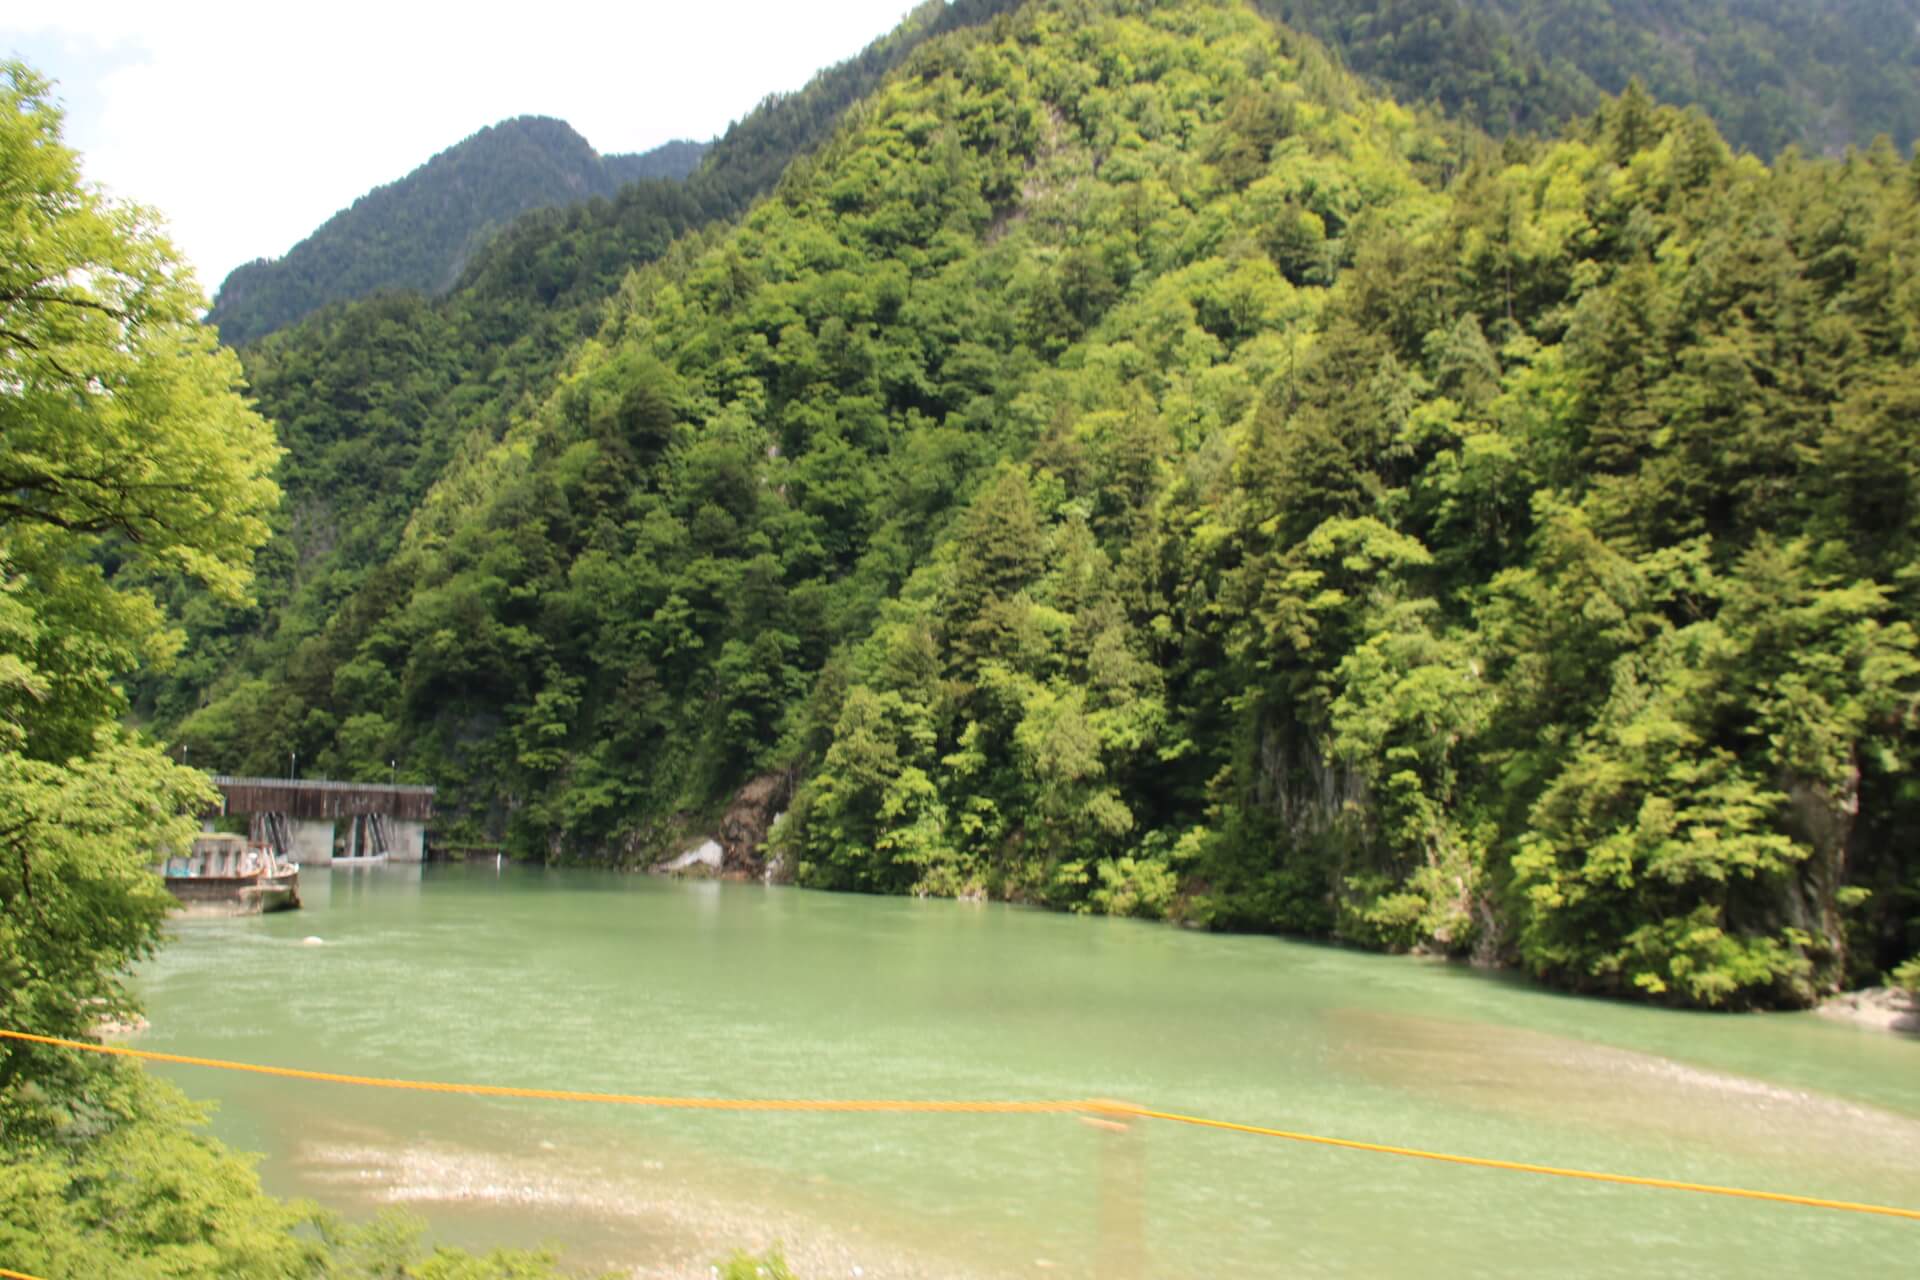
x: 311, y: 841
x: 409, y: 840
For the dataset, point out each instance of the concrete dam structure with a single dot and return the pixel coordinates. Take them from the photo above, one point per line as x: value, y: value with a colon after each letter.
x: 312, y: 822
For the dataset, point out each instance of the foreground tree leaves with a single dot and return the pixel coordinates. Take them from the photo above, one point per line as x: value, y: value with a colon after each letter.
x: 119, y: 411
x: 126, y: 444
x: 127, y: 459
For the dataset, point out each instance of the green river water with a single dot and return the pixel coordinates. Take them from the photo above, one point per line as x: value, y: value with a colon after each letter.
x: 629, y: 984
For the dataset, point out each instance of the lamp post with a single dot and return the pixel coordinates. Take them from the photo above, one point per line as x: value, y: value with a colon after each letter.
x: 293, y: 762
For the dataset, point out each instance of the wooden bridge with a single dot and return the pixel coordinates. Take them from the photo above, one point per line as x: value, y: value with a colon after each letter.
x: 313, y: 821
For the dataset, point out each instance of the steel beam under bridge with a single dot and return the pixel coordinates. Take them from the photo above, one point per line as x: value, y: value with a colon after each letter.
x: 301, y: 817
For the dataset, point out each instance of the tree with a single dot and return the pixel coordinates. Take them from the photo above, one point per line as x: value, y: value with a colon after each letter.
x: 120, y: 414
x: 127, y: 457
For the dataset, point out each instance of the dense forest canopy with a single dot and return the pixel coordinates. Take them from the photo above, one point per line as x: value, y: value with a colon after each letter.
x: 1134, y: 467
x: 420, y: 231
x: 1772, y: 73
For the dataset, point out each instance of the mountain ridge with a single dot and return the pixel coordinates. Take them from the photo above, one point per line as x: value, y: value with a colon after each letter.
x: 1769, y: 72
x: 420, y: 230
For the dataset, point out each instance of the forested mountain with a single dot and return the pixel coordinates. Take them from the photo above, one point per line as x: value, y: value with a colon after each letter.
x: 1133, y: 467
x: 1772, y: 73
x: 376, y: 395
x: 419, y: 232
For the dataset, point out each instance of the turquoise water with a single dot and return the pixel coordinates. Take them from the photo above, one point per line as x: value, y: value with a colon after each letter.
x: 628, y: 984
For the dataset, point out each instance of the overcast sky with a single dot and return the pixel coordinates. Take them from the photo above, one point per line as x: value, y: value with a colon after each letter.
x: 248, y: 125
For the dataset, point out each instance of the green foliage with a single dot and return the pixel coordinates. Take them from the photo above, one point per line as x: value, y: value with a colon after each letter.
x: 390, y: 1248
x: 145, y: 1195
x: 1907, y: 976
x: 527, y: 206
x: 127, y: 445
x: 129, y: 448
x: 1464, y: 56
x: 78, y: 903
x: 119, y: 413
x: 745, y: 1266
x: 379, y: 398
x: 142, y: 1195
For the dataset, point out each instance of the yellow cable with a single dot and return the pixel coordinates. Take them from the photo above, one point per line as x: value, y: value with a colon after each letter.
x: 15, y: 1275
x: 1482, y: 1162
x: 1098, y: 1106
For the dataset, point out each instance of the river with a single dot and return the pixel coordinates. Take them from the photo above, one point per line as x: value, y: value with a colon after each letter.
x: 629, y: 984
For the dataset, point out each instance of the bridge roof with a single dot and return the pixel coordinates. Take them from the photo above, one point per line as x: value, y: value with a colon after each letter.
x: 320, y: 798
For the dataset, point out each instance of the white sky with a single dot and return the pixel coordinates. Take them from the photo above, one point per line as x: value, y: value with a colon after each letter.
x: 248, y: 125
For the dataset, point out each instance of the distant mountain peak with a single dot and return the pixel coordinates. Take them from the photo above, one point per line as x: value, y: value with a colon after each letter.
x: 418, y: 231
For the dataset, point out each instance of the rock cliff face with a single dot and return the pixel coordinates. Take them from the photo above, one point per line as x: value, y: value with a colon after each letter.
x: 1824, y: 816
x: 744, y: 827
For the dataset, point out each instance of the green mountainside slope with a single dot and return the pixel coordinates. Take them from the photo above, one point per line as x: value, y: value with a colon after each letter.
x: 375, y: 396
x: 1772, y: 73
x: 419, y: 231
x: 1134, y: 468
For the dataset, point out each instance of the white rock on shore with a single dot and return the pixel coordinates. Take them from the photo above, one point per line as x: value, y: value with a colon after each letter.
x: 707, y: 855
x: 131, y: 1026
x: 1884, y: 1008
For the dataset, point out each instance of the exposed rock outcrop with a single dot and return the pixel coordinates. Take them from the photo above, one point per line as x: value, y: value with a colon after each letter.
x: 750, y: 815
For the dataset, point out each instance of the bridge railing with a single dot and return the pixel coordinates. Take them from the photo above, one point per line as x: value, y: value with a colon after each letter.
x: 324, y: 798
x: 321, y: 784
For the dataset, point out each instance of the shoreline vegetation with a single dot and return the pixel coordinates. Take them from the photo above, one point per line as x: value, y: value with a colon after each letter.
x: 1876, y: 1007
